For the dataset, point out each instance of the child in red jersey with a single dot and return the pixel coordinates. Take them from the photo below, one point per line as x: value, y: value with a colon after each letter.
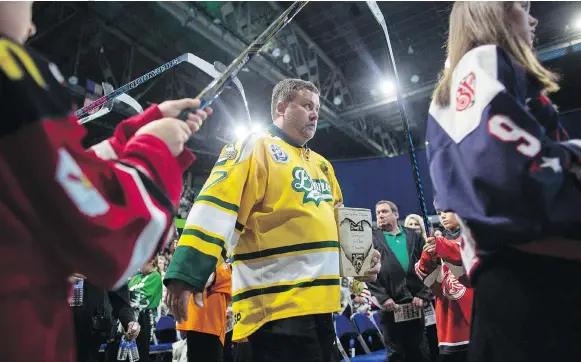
x: 101, y: 213
x: 440, y: 267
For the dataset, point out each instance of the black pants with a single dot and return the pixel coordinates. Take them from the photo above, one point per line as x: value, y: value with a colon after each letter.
x: 526, y: 310
x: 242, y: 352
x: 228, y: 349
x: 456, y: 357
x: 405, y: 341
x: 87, y: 341
x: 432, y: 338
x: 143, y: 340
x: 308, y: 338
x: 203, y: 347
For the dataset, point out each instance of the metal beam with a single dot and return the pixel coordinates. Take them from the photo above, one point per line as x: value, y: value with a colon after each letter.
x: 384, y: 104
x: 330, y: 63
x: 336, y: 80
x: 224, y: 40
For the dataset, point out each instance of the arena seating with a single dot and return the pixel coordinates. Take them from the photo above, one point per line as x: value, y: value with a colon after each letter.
x: 351, y: 337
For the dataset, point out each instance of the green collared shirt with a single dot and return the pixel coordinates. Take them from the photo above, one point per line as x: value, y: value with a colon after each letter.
x: 398, y: 244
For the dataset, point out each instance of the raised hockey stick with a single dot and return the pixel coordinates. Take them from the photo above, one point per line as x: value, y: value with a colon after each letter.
x: 120, y: 95
x: 133, y: 84
x: 107, y: 107
x: 214, y: 89
x: 404, y: 120
x: 222, y: 68
x: 103, y: 109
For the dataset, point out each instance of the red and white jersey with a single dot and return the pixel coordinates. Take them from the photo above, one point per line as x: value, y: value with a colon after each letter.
x: 444, y: 274
x: 64, y: 210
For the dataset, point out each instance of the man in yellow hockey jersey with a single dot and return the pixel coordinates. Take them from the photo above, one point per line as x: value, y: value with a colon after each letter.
x: 269, y: 202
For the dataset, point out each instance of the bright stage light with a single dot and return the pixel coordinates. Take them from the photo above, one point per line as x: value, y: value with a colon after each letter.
x: 257, y: 127
x: 241, y: 132
x: 387, y: 87
x: 578, y: 23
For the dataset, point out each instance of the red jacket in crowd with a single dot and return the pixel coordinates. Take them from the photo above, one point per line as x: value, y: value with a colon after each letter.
x: 64, y: 210
x: 444, y: 274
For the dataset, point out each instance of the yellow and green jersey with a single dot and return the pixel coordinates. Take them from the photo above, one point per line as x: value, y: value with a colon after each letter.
x: 269, y: 205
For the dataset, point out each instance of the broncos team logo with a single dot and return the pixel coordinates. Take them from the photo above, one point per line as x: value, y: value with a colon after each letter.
x: 465, y: 94
x: 451, y: 287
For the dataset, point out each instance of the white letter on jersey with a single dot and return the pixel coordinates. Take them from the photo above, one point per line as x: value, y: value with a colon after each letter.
x: 506, y: 130
x: 76, y: 184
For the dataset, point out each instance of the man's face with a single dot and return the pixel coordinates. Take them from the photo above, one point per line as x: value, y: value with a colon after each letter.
x: 301, y: 115
x: 385, y: 216
x: 448, y: 219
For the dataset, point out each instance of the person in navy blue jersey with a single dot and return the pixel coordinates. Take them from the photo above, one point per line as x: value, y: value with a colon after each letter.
x: 501, y: 161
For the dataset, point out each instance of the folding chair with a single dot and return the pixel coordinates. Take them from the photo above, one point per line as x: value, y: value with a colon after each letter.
x: 165, y: 330
x: 348, y: 336
x: 369, y: 331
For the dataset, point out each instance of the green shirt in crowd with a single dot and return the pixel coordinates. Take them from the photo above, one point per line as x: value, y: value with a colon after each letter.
x: 398, y: 244
x: 146, y: 291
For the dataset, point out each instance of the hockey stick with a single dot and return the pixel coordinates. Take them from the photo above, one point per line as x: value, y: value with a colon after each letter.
x: 214, y: 89
x: 221, y: 68
x: 107, y: 107
x: 104, y: 109
x: 133, y: 84
x: 124, y: 98
x: 404, y: 120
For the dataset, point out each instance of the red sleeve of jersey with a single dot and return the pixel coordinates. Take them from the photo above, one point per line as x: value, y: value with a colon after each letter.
x: 428, y: 270
x: 110, y: 148
x: 106, y: 218
x: 427, y: 263
x: 449, y: 250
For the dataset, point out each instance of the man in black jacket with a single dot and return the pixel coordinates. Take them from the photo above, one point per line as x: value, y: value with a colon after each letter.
x: 397, y: 284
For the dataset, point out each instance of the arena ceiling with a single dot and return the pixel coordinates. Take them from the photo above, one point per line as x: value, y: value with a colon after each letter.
x: 337, y: 45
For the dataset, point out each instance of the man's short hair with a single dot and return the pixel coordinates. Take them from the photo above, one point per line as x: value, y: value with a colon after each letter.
x: 286, y: 91
x: 391, y: 205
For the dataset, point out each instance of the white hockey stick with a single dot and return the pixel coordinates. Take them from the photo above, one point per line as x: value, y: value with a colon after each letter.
x: 221, y: 68
x: 120, y: 94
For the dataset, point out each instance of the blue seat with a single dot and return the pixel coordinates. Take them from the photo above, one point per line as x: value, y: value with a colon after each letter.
x: 376, y: 319
x: 363, y: 323
x: 166, y: 322
x: 349, y: 337
x: 369, y: 331
x: 165, y: 330
x: 374, y: 357
x: 161, y: 348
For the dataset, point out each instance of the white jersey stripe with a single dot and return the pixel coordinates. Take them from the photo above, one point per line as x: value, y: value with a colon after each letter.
x: 249, y: 274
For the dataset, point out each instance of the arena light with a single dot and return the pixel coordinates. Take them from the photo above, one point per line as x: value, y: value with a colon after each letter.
x: 286, y: 59
x: 387, y: 87
x: 337, y: 100
x: 241, y: 132
x: 415, y: 78
x: 257, y: 127
x: 578, y: 23
x: 276, y: 52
